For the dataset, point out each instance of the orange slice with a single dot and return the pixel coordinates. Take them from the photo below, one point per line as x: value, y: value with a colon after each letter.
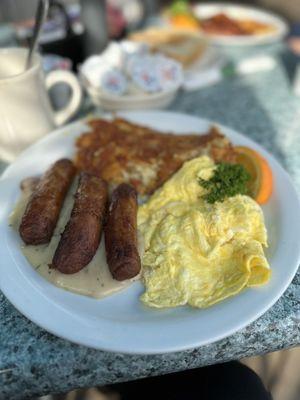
x: 184, y: 21
x: 261, y: 183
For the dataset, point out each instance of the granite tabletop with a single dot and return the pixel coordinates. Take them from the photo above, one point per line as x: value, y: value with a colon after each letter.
x: 34, y: 362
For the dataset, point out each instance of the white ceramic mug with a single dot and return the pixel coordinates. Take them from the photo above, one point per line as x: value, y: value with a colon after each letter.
x: 25, y: 111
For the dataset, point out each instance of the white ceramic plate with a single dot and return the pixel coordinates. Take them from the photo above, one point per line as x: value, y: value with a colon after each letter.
x: 243, y: 12
x: 121, y: 323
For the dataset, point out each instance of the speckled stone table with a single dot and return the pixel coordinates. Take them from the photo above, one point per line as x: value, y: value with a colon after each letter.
x: 34, y: 362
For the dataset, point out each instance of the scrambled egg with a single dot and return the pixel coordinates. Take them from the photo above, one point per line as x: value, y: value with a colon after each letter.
x: 198, y: 253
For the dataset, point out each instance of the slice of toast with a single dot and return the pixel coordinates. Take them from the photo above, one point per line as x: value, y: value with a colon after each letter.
x: 120, y: 151
x: 182, y: 45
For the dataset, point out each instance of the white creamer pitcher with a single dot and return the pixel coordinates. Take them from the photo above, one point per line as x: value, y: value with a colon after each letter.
x: 25, y: 111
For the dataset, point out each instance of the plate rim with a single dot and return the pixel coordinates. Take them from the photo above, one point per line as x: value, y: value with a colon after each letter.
x: 147, y: 350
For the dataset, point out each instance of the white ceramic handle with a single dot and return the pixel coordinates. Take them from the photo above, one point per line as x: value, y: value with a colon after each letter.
x: 61, y: 76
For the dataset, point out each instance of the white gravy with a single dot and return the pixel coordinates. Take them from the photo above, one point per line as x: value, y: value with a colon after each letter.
x: 95, y: 280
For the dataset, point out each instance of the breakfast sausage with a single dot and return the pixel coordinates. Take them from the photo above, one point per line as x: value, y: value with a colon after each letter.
x: 121, y: 234
x: 82, y: 234
x: 42, y: 211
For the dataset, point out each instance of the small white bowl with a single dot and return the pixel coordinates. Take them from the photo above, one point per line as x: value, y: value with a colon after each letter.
x: 141, y: 101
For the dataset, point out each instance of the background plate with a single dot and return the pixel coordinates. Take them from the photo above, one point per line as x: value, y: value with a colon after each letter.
x: 243, y: 12
x: 121, y: 323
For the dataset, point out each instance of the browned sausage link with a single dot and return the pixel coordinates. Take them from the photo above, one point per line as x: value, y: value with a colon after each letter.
x: 121, y: 234
x: 42, y: 211
x: 81, y: 237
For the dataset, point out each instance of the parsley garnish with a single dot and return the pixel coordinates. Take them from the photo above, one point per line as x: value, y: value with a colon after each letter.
x: 180, y: 7
x: 228, y: 180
